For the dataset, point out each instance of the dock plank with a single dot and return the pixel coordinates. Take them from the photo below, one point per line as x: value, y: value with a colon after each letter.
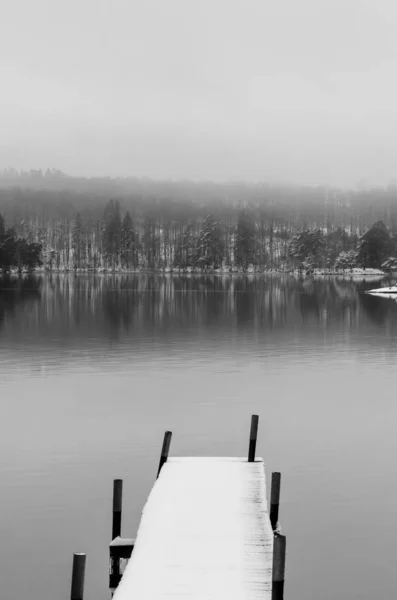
x: 204, y: 533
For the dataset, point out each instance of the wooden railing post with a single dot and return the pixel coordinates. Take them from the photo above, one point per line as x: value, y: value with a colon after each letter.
x: 120, y: 549
x: 165, y: 450
x: 117, y: 507
x: 279, y: 549
x: 78, y: 575
x: 116, y: 527
x: 253, y: 437
x: 275, y: 499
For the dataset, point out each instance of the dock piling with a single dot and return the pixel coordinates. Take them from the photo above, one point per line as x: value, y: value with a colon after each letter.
x: 253, y: 437
x: 165, y: 450
x: 78, y: 575
x: 275, y: 499
x: 117, y: 507
x: 279, y: 549
x: 120, y: 549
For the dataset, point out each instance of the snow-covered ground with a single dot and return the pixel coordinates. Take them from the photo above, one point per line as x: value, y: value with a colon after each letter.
x: 384, y: 291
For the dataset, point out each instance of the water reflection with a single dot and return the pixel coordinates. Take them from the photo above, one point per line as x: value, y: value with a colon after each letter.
x: 126, y: 305
x: 18, y: 293
x: 381, y: 311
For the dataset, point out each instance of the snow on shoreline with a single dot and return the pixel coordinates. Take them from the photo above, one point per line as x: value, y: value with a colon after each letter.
x: 217, y: 272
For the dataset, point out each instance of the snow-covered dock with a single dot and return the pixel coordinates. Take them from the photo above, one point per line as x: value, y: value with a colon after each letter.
x: 205, y: 532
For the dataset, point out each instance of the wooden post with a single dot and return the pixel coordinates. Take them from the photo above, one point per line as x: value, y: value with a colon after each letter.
x: 253, y: 436
x: 279, y: 549
x: 78, y: 574
x: 117, y: 507
x: 275, y: 499
x: 165, y: 450
x: 119, y: 549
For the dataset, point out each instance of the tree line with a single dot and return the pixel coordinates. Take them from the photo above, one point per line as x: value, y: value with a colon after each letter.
x: 16, y: 251
x: 67, y: 223
x: 117, y: 243
x: 375, y: 248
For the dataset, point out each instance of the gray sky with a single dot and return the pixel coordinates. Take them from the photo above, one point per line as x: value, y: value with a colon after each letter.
x: 292, y: 90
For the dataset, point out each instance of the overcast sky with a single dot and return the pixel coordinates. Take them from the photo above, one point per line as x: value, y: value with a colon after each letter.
x: 295, y: 90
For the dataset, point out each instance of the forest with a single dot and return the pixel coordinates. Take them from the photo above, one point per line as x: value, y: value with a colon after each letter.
x: 53, y: 221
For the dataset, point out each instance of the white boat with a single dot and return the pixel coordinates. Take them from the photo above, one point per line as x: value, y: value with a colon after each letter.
x: 384, y: 290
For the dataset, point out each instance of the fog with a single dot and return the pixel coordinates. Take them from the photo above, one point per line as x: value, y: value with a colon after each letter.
x: 290, y: 91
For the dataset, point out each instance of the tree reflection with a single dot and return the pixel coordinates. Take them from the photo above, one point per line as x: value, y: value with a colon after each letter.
x: 381, y: 311
x: 88, y: 307
x: 17, y: 292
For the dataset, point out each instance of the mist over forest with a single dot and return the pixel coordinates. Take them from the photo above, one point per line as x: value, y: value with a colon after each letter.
x: 62, y: 222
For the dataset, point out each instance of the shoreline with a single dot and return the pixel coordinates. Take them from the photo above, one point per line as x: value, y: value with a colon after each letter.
x: 317, y: 273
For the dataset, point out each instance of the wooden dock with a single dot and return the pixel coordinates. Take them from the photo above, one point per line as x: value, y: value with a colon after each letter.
x: 205, y: 532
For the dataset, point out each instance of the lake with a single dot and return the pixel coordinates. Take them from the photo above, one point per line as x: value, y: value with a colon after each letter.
x: 94, y: 369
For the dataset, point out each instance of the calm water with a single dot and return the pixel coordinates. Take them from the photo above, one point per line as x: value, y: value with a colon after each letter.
x: 94, y: 369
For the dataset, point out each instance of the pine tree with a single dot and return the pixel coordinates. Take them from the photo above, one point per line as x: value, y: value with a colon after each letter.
x: 78, y: 242
x: 150, y: 244
x: 17, y: 251
x: 112, y: 232
x: 245, y: 241
x: 346, y: 260
x: 374, y: 246
x: 128, y: 248
x: 308, y: 247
